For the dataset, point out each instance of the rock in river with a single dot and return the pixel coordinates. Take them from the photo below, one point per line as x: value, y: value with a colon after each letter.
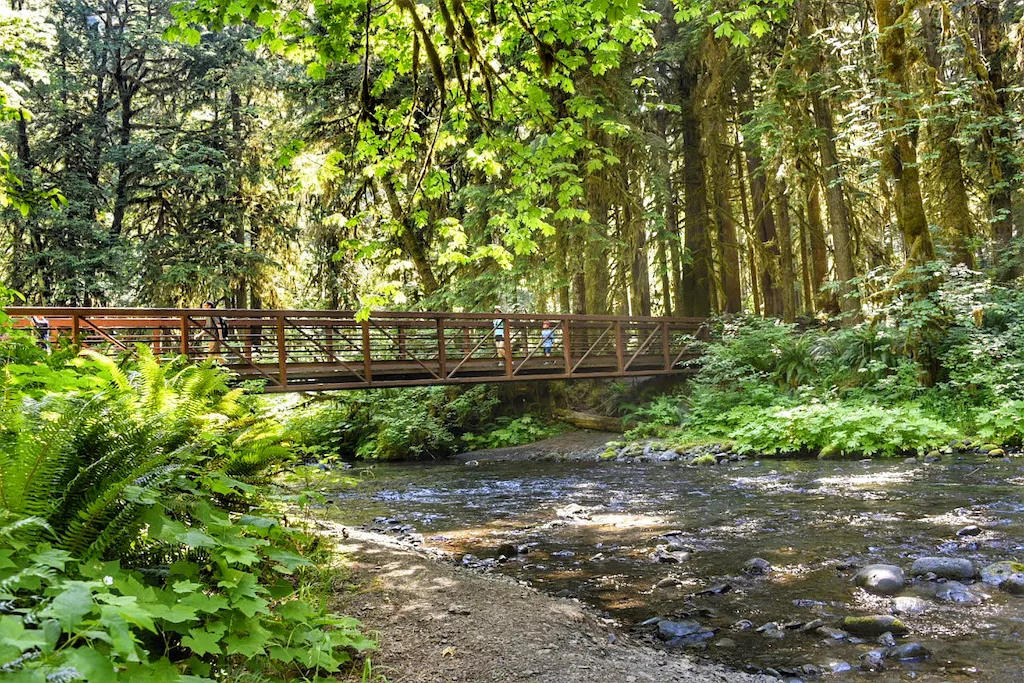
x: 677, y: 629
x: 996, y: 574
x: 943, y: 567
x: 880, y: 579
x: 908, y: 652
x: 874, y: 625
x: 1014, y: 585
x: 757, y: 566
x: 957, y: 593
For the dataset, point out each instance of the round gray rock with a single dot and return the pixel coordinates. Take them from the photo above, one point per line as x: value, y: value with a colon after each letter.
x: 757, y: 566
x: 944, y: 567
x: 881, y: 579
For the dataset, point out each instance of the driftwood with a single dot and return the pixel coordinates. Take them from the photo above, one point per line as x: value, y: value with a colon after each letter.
x: 601, y: 423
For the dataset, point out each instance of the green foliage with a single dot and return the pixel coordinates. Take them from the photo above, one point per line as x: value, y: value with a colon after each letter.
x: 848, y: 428
x: 388, y: 424
x: 511, y: 431
x: 769, y: 388
x: 137, y: 539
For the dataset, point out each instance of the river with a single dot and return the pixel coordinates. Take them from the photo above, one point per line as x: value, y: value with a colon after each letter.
x: 590, y: 530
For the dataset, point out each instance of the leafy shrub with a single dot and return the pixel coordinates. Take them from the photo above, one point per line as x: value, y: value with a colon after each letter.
x: 512, y: 432
x: 137, y: 541
x: 424, y: 422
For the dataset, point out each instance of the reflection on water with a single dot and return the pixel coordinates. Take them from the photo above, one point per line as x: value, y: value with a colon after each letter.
x: 591, y: 529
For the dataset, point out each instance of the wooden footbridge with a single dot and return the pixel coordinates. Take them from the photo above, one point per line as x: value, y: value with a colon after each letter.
x: 329, y: 350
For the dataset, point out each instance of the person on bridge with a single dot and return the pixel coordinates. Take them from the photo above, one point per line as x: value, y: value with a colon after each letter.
x: 214, y: 330
x: 547, y: 338
x: 499, y: 334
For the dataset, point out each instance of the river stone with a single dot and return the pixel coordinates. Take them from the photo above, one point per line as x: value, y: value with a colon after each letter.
x: 996, y: 453
x: 872, y: 661
x: 874, y: 625
x: 833, y: 633
x: 908, y: 652
x: 880, y: 579
x: 972, y: 530
x: 677, y: 629
x: 665, y: 556
x: 725, y: 643
x: 999, y: 572
x: 1014, y: 584
x: 839, y: 667
x: 959, y: 594
x: 886, y: 640
x: 943, y: 567
x: 910, y: 606
x: 757, y: 566
x: 693, y: 640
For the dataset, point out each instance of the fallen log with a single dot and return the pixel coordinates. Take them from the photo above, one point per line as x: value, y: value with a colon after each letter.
x: 601, y: 423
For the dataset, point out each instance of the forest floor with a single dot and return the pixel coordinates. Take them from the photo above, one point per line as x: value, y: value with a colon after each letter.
x: 572, y: 445
x: 437, y: 622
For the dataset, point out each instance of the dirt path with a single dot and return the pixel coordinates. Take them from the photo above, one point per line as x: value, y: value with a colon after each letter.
x: 437, y: 622
x: 580, y: 444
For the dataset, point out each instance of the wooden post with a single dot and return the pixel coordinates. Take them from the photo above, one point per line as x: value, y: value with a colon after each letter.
x: 184, y: 335
x: 329, y: 335
x: 401, y: 341
x: 282, y: 353
x: 665, y: 352
x: 566, y: 346
x: 367, y: 363
x: 442, y: 352
x: 75, y: 329
x: 508, y: 346
x: 619, y: 351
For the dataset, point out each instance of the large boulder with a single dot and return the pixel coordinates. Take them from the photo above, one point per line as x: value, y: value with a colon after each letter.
x: 881, y: 579
x: 944, y: 567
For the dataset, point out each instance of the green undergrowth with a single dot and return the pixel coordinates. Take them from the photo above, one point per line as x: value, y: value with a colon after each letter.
x: 139, y: 536
x: 906, y: 382
x: 409, y: 424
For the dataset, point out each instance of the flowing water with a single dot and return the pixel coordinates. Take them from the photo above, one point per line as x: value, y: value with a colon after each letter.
x: 591, y: 528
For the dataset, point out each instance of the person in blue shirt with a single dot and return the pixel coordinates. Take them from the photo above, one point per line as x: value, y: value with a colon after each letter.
x: 499, y: 334
x: 547, y: 338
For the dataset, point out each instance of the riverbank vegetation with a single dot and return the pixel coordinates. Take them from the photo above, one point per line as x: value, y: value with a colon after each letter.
x: 929, y: 373
x: 140, y: 538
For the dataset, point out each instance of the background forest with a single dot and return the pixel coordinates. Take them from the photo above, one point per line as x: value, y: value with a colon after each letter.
x: 776, y: 157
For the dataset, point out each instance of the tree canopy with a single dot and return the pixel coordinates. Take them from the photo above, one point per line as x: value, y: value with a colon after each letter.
x: 778, y: 157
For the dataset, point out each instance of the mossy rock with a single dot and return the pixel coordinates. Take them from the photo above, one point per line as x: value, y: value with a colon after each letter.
x: 990, y: 447
x: 996, y: 453
x: 616, y: 444
x: 706, y: 459
x: 609, y: 454
x: 874, y: 625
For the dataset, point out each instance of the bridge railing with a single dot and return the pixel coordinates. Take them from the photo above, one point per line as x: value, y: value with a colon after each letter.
x: 317, y: 350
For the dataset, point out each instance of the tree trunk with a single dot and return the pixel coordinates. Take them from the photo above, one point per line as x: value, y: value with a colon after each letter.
x: 996, y: 49
x: 595, y: 266
x: 952, y: 208
x: 696, y: 301
x: 764, y: 220
x: 787, y: 273
x: 900, y: 158
x: 412, y: 244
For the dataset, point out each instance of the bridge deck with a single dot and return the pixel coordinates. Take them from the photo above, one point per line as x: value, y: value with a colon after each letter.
x: 326, y: 350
